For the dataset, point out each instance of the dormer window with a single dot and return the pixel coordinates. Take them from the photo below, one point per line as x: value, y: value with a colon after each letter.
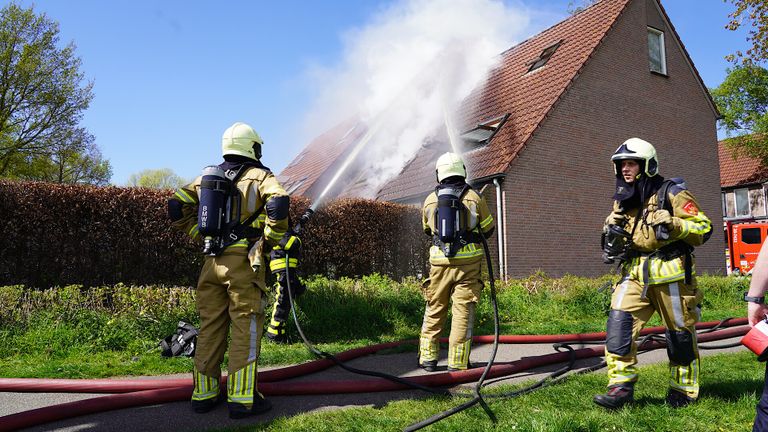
x: 544, y: 57
x: 483, y: 133
x: 292, y: 188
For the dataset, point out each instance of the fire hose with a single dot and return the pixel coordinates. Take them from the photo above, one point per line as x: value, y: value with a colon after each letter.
x: 149, y: 392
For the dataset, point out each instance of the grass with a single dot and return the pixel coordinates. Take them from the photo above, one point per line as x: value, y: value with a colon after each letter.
x: 731, y: 385
x: 70, y: 332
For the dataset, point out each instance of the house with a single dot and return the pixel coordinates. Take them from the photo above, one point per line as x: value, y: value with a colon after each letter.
x: 744, y: 184
x: 539, y: 135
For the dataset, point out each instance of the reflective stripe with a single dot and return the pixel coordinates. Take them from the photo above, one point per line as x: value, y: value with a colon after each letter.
x: 471, y: 250
x: 677, y: 307
x: 458, y: 355
x: 253, y: 353
x: 428, y: 350
x: 280, y: 264
x: 194, y: 231
x: 273, y: 234
x: 242, y: 384
x: 622, y: 291
x: 487, y: 221
x: 205, y: 387
x: 185, y: 197
x: 290, y: 242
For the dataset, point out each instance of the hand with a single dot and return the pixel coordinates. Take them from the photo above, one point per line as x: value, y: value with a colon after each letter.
x: 755, y: 313
x: 660, y: 217
x: 616, y: 219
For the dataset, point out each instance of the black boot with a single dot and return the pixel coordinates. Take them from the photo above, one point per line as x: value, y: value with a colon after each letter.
x: 203, y: 406
x: 277, y: 333
x: 260, y: 405
x: 676, y: 399
x: 617, y: 396
x: 428, y: 365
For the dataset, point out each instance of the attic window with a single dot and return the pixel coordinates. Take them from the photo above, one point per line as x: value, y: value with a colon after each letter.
x: 656, y: 52
x: 544, y: 57
x: 484, y: 132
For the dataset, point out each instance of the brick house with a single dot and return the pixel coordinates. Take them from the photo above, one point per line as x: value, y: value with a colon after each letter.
x: 744, y: 184
x: 539, y: 135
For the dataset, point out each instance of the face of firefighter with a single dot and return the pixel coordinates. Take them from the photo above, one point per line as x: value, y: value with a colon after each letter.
x: 629, y: 170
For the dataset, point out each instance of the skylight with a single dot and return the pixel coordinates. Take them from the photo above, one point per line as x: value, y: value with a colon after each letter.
x: 544, y: 57
x: 484, y: 132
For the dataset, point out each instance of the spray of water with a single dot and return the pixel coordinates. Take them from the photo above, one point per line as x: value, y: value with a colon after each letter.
x: 404, y: 74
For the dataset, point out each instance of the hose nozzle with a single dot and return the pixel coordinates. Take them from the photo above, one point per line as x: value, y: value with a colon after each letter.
x: 303, y: 220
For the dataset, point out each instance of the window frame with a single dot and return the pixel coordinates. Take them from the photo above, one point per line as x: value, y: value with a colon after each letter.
x: 663, y: 50
x: 543, y: 57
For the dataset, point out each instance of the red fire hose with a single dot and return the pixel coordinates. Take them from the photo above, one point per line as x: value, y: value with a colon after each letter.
x: 139, y: 393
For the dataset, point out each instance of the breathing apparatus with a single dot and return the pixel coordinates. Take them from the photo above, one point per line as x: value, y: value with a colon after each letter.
x: 182, y: 342
x: 214, y: 213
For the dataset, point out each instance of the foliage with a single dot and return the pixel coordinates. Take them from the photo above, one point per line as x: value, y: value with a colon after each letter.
x: 742, y: 100
x: 755, y: 13
x: 42, y: 98
x: 163, y: 178
x: 73, y: 331
x: 576, y: 6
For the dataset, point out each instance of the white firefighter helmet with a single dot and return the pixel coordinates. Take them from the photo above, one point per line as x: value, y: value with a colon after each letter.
x: 450, y: 165
x: 639, y: 150
x: 240, y: 139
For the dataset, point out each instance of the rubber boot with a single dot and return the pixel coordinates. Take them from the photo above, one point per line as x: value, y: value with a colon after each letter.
x: 203, y: 406
x: 429, y: 365
x: 617, y: 396
x: 277, y: 332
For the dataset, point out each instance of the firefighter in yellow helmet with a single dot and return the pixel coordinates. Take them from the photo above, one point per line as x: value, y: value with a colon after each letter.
x: 455, y: 216
x: 652, y: 231
x: 234, y: 207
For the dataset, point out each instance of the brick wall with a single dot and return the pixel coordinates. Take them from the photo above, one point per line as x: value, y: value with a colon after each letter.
x: 558, y: 190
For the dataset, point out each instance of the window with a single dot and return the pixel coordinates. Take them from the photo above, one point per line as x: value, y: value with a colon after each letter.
x: 544, y: 57
x: 757, y: 202
x: 295, y: 186
x: 751, y: 236
x: 484, y: 132
x: 656, y: 52
x: 742, y: 201
x: 730, y: 205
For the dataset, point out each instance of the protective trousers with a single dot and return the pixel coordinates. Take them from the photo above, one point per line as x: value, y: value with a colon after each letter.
x: 761, y: 414
x: 679, y: 306
x: 281, y: 309
x: 461, y: 286
x: 229, y: 293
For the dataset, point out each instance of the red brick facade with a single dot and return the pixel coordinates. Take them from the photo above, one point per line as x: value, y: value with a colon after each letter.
x: 559, y: 188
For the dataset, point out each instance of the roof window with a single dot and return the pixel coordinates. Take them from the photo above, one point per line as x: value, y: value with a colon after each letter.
x: 544, y: 57
x: 484, y: 132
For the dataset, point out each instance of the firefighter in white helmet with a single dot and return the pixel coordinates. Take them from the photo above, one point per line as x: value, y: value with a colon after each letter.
x: 234, y: 207
x: 455, y: 216
x: 651, y: 232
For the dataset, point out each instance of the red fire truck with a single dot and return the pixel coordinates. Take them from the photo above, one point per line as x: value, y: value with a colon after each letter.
x: 744, y: 240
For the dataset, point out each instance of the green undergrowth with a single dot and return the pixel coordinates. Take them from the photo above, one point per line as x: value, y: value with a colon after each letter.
x: 731, y: 385
x: 113, y: 331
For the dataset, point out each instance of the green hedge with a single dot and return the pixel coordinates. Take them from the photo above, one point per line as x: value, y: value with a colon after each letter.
x: 56, y: 234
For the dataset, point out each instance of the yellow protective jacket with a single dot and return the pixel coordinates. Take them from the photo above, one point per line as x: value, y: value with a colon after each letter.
x: 689, y: 224
x: 256, y: 186
x: 479, y: 220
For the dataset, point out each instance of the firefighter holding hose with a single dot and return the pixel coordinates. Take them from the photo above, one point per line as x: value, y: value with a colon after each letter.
x: 652, y: 231
x: 455, y: 216
x: 240, y: 212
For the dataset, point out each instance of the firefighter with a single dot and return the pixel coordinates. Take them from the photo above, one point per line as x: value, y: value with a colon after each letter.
x: 756, y: 312
x: 455, y: 216
x: 658, y: 223
x: 231, y: 289
x: 278, y: 323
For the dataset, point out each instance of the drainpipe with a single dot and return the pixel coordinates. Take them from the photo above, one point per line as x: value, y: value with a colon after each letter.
x: 500, y: 231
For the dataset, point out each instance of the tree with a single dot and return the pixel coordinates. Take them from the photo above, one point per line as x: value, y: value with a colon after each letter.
x: 755, y: 12
x: 42, y: 98
x: 576, y: 6
x: 742, y: 100
x: 163, y: 178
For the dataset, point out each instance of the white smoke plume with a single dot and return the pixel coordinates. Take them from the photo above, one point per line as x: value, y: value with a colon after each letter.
x: 405, y: 71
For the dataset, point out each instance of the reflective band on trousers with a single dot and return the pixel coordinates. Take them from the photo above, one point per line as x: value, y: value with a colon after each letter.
x: 205, y: 387
x: 279, y: 264
x: 242, y: 384
x: 428, y: 350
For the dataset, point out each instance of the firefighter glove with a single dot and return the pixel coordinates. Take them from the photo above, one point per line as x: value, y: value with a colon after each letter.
x: 615, y: 219
x: 660, y: 217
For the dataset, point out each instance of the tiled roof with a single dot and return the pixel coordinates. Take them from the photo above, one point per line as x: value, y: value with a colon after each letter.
x: 306, y: 168
x: 526, y: 96
x: 740, y: 171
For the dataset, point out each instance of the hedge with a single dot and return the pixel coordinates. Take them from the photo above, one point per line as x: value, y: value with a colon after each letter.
x: 54, y: 235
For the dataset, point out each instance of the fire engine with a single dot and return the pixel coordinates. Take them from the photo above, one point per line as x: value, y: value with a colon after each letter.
x: 743, y: 242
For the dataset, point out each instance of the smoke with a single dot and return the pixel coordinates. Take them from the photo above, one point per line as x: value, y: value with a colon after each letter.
x: 404, y: 73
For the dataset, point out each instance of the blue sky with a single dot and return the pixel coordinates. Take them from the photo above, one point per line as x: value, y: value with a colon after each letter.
x: 170, y: 76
